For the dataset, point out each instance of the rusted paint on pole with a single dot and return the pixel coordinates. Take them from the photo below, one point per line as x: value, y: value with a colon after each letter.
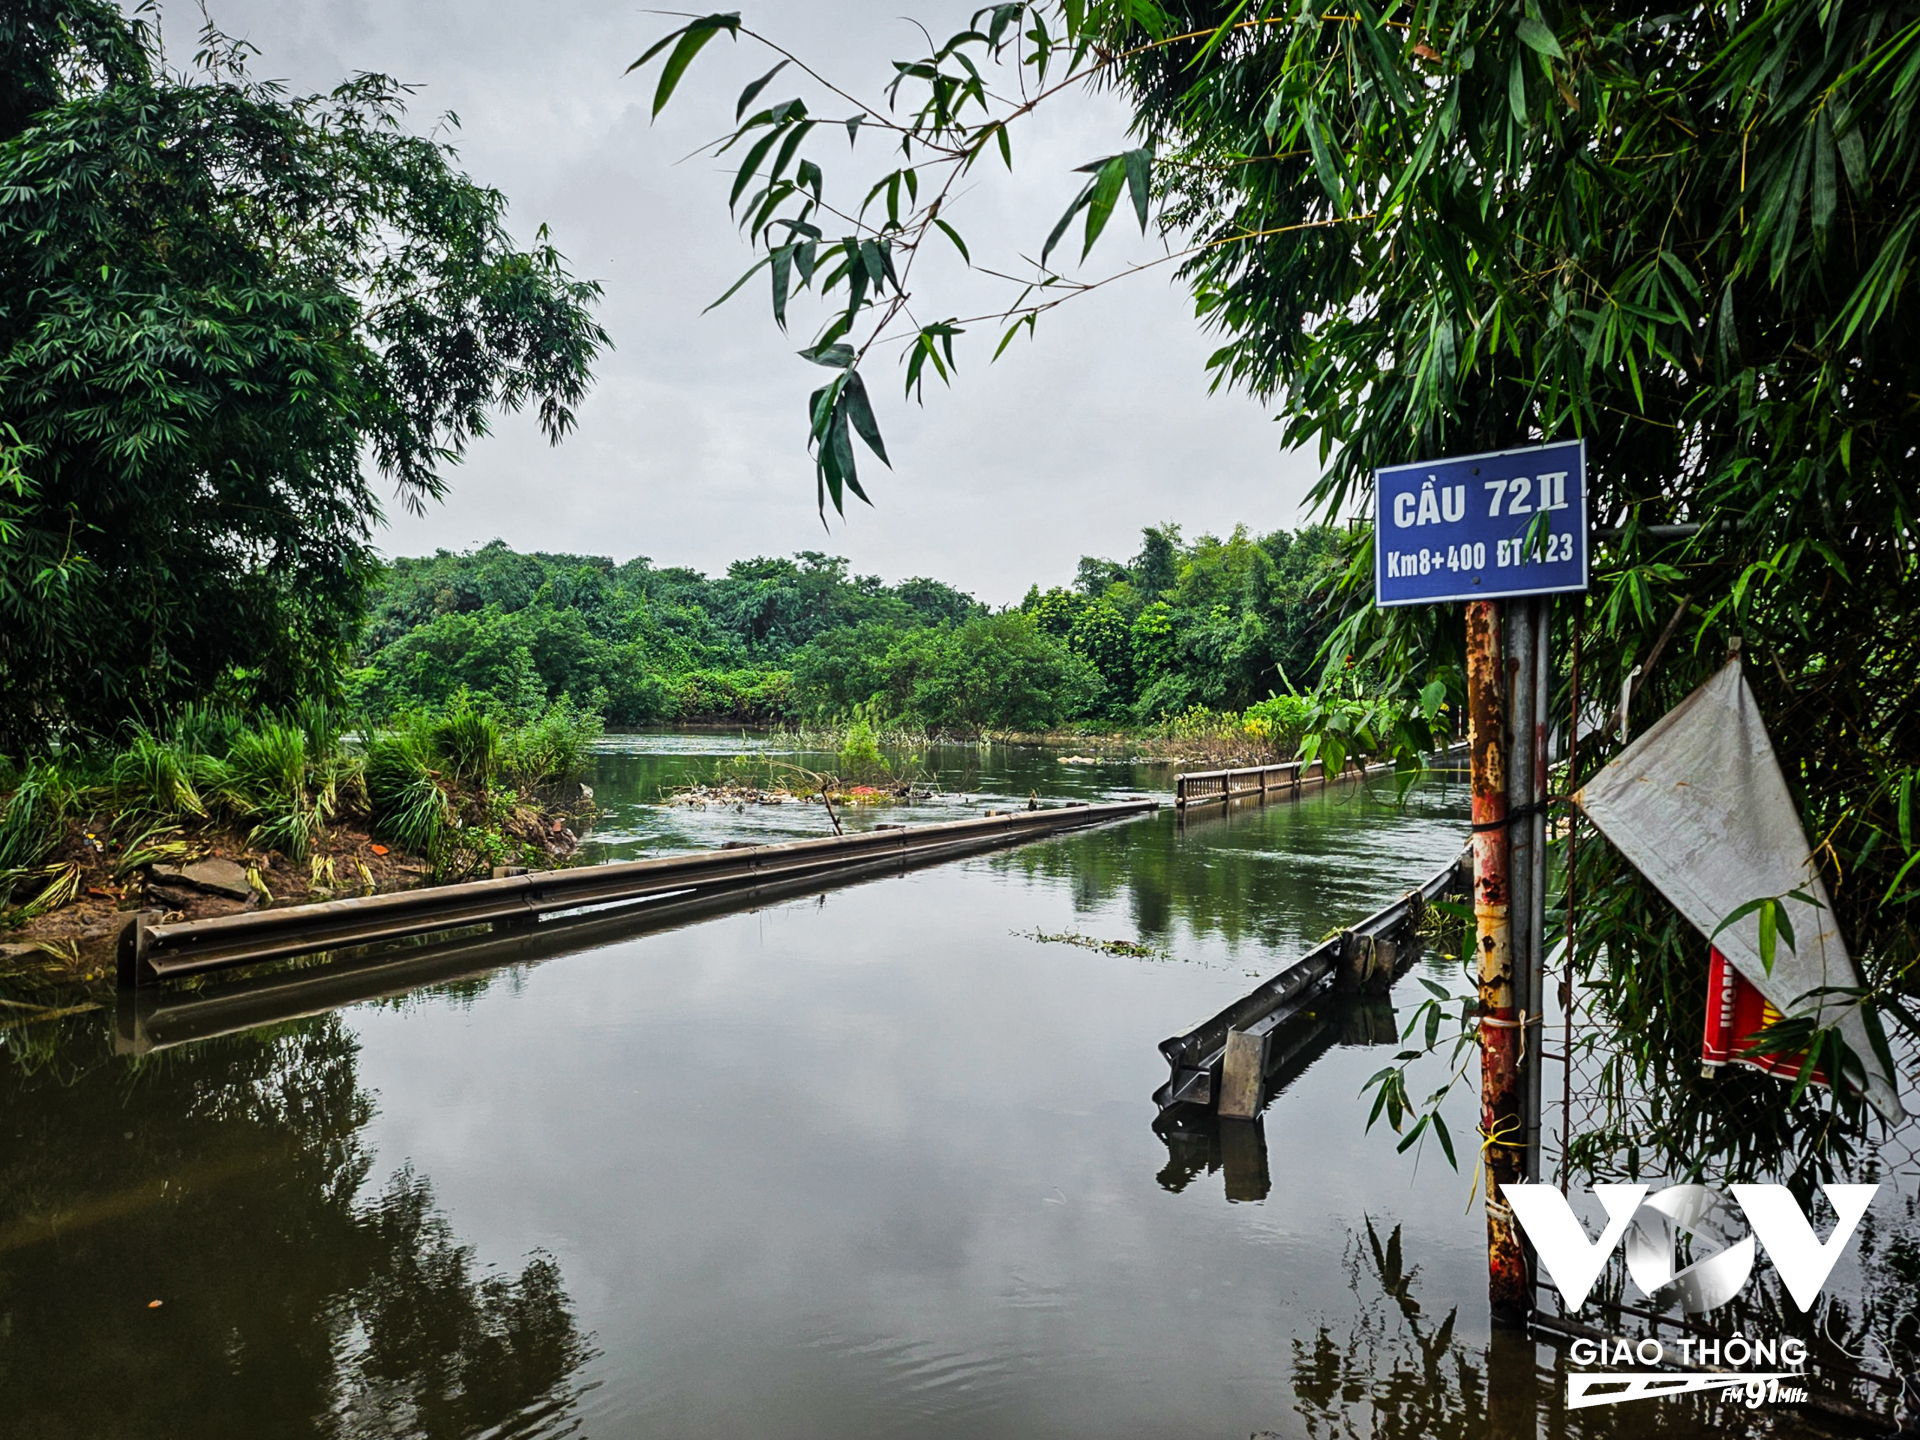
x: 1500, y: 1118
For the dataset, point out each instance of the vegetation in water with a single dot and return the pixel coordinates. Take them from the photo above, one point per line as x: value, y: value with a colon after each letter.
x: 1431, y: 232
x: 1133, y: 949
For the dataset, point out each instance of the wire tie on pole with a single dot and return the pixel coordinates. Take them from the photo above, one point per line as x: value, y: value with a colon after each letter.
x: 1521, y: 1025
x: 1489, y: 1139
x: 1519, y: 813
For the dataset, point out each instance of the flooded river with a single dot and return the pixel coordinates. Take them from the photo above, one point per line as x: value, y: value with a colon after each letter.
x: 876, y: 1162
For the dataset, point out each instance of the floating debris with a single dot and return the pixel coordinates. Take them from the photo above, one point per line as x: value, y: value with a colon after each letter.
x: 702, y: 796
x: 1132, y: 948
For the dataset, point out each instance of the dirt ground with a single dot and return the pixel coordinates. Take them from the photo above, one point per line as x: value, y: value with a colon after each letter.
x: 75, y: 943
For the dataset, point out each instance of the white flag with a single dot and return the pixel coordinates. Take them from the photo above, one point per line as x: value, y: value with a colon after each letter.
x: 1699, y: 805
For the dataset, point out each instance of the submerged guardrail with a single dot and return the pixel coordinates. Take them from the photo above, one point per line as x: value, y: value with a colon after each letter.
x: 1203, y: 786
x: 1291, y: 778
x: 1221, y: 1063
x: 150, y: 954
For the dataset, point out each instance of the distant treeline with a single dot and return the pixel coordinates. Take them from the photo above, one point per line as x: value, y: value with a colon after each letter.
x: 1221, y: 623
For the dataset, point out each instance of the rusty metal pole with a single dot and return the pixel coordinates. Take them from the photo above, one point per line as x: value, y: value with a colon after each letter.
x: 1533, y: 1042
x: 1500, y: 1118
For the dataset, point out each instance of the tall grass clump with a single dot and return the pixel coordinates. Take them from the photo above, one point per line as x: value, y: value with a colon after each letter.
x: 466, y: 742
x: 404, y: 792
x: 204, y: 728
x: 31, y: 824
x: 269, y: 782
x: 163, y: 778
x: 286, y: 776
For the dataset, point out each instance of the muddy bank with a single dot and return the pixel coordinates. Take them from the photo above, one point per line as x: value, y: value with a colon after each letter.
x: 213, y: 872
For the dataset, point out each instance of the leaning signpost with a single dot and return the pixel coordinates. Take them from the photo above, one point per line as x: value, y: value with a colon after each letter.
x: 1504, y: 532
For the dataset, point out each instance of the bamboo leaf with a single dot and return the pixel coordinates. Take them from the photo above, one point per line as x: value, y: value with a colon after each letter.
x: 1139, y: 165
x: 748, y: 95
x: 733, y: 289
x: 1538, y: 37
x: 1060, y: 227
x: 860, y: 412
x: 954, y: 235
x: 782, y: 260
x: 1824, y: 193
x: 1102, y: 198
x: 837, y: 357
x: 691, y: 38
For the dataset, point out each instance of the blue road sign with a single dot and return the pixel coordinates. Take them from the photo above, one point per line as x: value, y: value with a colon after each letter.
x: 1475, y: 527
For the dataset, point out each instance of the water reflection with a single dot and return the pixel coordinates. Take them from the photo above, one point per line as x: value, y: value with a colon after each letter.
x: 1239, y: 874
x: 230, y: 1183
x: 633, y: 772
x: 1394, y: 1369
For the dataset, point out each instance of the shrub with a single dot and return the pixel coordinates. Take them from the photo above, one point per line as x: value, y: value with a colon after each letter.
x: 551, y: 749
x: 163, y: 778
x: 860, y: 748
x: 1280, y: 720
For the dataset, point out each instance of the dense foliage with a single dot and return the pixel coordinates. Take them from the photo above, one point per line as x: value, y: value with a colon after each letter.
x: 1685, y: 235
x: 460, y: 787
x: 220, y: 307
x: 1217, y: 623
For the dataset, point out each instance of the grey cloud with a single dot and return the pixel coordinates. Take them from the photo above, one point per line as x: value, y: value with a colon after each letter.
x: 691, y: 448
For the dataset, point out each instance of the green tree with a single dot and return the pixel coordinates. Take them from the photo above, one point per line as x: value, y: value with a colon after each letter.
x: 1057, y: 611
x: 1156, y: 568
x: 218, y: 304
x: 1686, y: 235
x: 993, y: 672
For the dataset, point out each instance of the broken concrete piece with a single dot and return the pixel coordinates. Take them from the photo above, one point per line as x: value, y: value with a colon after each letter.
x: 215, y: 877
x: 219, y: 877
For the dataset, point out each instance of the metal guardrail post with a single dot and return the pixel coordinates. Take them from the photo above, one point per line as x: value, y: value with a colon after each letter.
x: 132, y: 968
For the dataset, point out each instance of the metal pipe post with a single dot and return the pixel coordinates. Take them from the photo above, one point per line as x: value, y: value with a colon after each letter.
x: 1499, y: 1036
x: 1517, y: 636
x: 1534, y: 1037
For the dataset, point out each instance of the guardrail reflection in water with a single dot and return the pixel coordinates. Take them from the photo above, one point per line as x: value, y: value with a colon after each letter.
x: 150, y: 953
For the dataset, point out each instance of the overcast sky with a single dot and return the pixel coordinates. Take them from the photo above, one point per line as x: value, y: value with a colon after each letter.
x: 691, y: 447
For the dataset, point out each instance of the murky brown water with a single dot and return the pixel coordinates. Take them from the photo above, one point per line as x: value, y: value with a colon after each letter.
x: 868, y: 1163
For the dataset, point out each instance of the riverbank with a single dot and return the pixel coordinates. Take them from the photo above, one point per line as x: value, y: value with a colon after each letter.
x: 1263, y: 735
x: 222, y: 813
